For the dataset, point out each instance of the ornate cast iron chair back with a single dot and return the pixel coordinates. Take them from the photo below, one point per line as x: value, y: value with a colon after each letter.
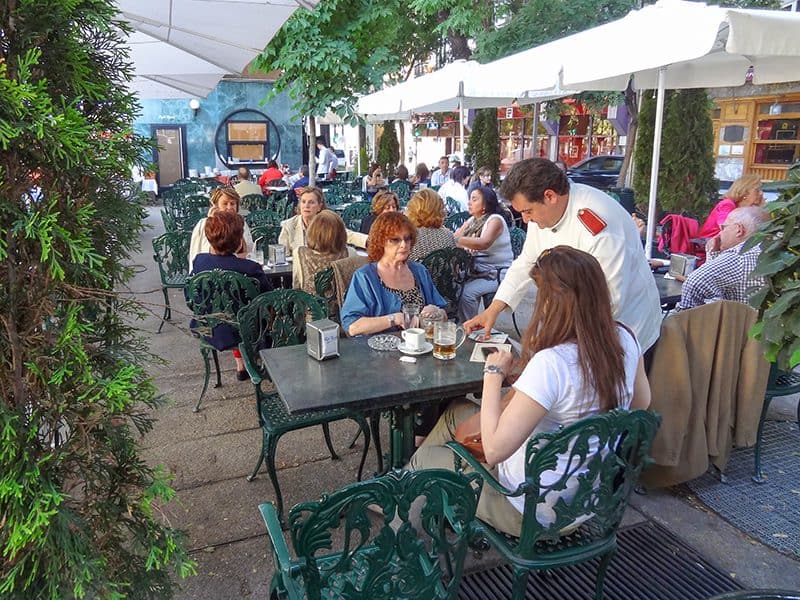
x: 325, y: 286
x: 402, y: 189
x: 456, y: 220
x: 449, y: 268
x: 451, y: 206
x: 171, y: 254
x: 378, y: 558
x: 254, y: 202
x: 355, y: 213
x: 262, y: 217
x: 517, y: 240
x: 264, y: 235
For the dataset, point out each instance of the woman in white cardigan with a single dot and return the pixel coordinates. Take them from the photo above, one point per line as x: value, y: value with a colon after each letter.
x: 293, y: 231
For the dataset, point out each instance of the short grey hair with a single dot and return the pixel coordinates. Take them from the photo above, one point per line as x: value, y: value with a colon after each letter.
x: 752, y: 218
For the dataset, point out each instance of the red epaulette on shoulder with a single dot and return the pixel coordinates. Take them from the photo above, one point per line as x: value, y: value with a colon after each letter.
x: 591, y: 220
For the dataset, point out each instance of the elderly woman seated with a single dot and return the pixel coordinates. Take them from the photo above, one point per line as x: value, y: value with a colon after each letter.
x: 224, y: 199
x: 379, y: 289
x: 294, y: 230
x: 326, y: 242
x: 426, y: 211
x: 224, y: 232
x: 383, y: 201
x: 485, y: 234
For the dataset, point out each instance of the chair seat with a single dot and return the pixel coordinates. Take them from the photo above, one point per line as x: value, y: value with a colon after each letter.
x: 785, y: 384
x: 586, y: 538
x: 176, y: 280
x: 274, y: 414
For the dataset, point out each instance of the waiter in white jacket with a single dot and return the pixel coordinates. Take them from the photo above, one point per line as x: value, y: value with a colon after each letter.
x: 560, y: 213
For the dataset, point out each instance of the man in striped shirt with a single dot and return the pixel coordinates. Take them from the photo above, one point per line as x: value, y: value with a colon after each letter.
x: 726, y: 274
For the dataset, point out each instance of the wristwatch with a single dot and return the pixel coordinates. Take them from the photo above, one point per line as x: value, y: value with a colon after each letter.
x: 493, y: 369
x: 391, y: 320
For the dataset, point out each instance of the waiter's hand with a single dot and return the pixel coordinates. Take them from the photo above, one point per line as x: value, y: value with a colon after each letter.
x: 484, y: 320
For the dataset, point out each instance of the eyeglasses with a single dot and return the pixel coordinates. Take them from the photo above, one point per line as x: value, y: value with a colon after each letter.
x: 396, y: 241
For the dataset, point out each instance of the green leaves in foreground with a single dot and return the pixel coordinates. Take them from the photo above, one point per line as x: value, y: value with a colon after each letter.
x: 778, y: 302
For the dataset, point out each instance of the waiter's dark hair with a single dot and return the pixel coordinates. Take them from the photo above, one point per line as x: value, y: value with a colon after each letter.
x: 531, y: 177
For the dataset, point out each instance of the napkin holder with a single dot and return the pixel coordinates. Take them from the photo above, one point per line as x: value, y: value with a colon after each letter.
x: 322, y: 339
x: 276, y: 254
x: 681, y: 264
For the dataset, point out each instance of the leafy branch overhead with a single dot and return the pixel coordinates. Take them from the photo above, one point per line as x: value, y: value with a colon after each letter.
x: 326, y: 57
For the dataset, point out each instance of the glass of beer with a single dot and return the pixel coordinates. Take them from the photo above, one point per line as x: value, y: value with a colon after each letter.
x: 445, y: 339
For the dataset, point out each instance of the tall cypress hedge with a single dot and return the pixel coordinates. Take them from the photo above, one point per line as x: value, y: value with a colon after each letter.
x: 78, y: 505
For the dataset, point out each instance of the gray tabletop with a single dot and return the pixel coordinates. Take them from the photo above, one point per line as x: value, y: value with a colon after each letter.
x: 668, y: 289
x: 362, y: 378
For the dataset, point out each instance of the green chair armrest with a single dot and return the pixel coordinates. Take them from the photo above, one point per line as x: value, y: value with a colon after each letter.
x: 461, y: 453
x: 283, y: 562
x: 252, y: 370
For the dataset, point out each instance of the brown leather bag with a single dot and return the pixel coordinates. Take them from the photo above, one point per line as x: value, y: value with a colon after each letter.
x: 468, y: 434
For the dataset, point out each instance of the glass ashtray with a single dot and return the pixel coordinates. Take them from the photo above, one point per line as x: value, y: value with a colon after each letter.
x: 383, y: 341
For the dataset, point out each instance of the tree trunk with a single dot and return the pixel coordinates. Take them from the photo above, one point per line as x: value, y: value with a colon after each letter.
x: 312, y: 150
x: 633, y: 111
x: 401, y: 125
x: 459, y: 47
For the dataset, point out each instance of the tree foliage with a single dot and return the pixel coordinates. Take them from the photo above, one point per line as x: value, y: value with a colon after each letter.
x: 484, y: 141
x: 342, y: 48
x: 778, y: 302
x: 388, y: 149
x: 77, y: 504
x: 686, y: 179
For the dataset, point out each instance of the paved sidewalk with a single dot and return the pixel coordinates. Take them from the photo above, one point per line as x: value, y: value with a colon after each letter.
x: 211, y: 452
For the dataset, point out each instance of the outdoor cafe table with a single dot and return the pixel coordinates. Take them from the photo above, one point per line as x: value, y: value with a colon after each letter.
x: 280, y: 275
x: 363, y: 379
x: 669, y: 290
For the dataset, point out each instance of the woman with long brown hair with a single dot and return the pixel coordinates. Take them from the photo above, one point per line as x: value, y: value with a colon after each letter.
x: 576, y: 361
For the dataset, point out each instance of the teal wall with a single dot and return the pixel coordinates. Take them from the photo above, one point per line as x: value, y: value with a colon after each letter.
x: 226, y: 98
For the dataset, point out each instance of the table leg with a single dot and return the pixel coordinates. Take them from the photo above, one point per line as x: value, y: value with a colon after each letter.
x: 402, y: 432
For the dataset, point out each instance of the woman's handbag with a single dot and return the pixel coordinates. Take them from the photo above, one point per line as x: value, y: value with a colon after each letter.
x: 468, y: 434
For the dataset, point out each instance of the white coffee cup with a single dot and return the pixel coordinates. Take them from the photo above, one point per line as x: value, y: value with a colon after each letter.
x: 414, y: 338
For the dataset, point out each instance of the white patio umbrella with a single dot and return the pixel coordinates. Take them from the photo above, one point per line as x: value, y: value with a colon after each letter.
x: 456, y: 86
x: 191, y: 44
x: 676, y: 44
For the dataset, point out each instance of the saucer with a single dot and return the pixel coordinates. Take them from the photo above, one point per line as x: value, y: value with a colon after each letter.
x: 426, y: 347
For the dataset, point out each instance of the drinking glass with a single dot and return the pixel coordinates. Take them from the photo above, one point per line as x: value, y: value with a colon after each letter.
x: 410, y: 316
x: 427, y: 323
x: 258, y: 256
x: 445, y: 339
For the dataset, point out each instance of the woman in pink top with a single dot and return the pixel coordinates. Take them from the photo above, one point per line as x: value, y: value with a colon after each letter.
x: 745, y: 191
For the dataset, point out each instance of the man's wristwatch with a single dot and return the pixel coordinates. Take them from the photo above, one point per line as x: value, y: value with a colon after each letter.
x: 391, y: 320
x: 493, y: 369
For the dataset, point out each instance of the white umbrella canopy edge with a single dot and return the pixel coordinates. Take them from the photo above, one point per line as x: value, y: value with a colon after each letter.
x: 726, y: 43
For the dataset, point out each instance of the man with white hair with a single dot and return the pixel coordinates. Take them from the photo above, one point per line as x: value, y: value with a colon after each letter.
x: 245, y: 187
x: 726, y: 274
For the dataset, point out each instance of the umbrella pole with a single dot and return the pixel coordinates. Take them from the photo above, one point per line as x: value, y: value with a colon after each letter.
x: 651, y: 208
x: 461, y: 128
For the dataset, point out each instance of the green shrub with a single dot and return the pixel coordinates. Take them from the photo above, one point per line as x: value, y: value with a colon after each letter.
x: 78, y: 505
x: 388, y: 149
x: 778, y: 302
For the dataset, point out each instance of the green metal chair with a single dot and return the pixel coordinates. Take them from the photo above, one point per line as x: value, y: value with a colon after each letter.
x: 517, y: 240
x: 274, y: 319
x: 264, y: 235
x: 402, y: 189
x: 456, y: 220
x: 262, y: 217
x: 214, y: 297
x: 254, y: 202
x: 373, y: 558
x: 325, y: 286
x: 449, y: 268
x: 279, y: 203
x: 780, y: 383
x: 612, y: 449
x: 171, y: 253
x: 759, y: 595
x: 338, y: 193
x: 354, y: 214
x: 452, y: 206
